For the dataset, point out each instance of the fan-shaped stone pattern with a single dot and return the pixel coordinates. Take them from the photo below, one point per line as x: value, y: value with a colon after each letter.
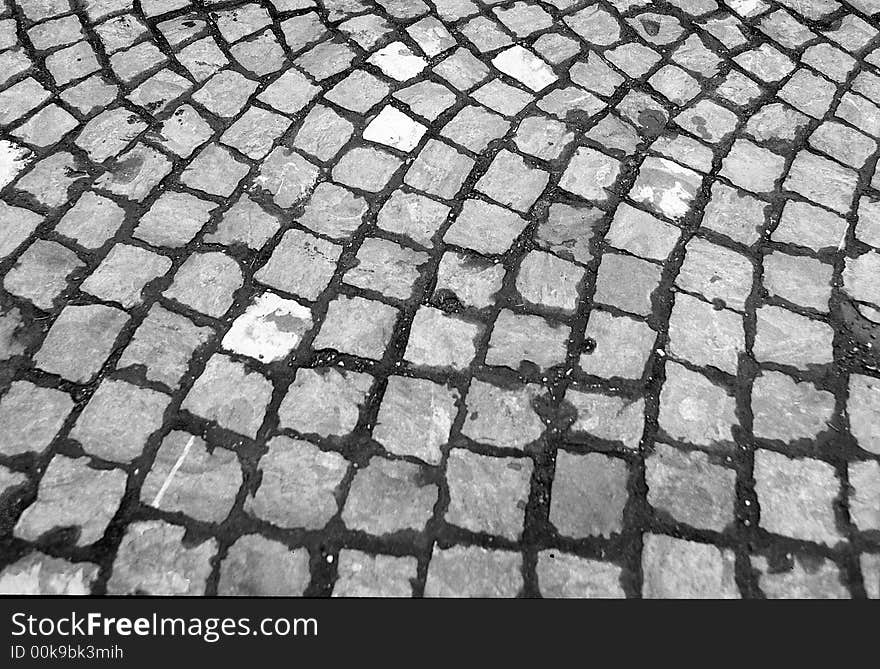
x: 389, y: 275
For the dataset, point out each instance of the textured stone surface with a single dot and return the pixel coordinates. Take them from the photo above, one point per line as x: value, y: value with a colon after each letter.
x: 484, y: 227
x: 325, y: 401
x: 163, y: 345
x: 73, y: 495
x: 118, y: 420
x: 439, y: 340
x: 438, y: 170
x: 666, y: 187
x: 619, y: 346
x: 152, y: 560
x: 863, y: 409
x: 870, y: 564
x: 228, y: 393
x: 124, y: 273
x: 785, y: 410
x: 287, y: 175
x: 39, y: 574
x: 487, y: 494
x: 588, y: 496
x: 501, y: 417
x: 680, y: 569
x: 206, y: 282
x: 566, y: 576
x: 301, y: 264
x: 91, y: 331
x: 626, y: 283
x: 607, y: 417
x: 797, y: 497
x: 413, y: 215
x: 512, y: 182
x: 386, y: 267
x: 357, y: 326
x: 308, y: 280
x: 30, y: 417
x: 186, y: 476
x: 471, y: 279
x: 364, y: 575
x: 791, y: 339
x: 864, y: 478
x: 173, y: 220
x: 694, y: 410
x: 548, y: 281
x: 259, y: 567
x: 716, y: 273
x: 803, y: 281
x: 415, y: 418
x: 387, y: 496
x: 705, y: 336
x: 463, y: 571
x: 641, y: 234
x: 690, y: 487
x: 40, y: 275
x: 802, y: 579
x: 821, y: 181
x: 269, y: 329
x: 523, y: 338
x: 297, y: 485
x: 589, y: 174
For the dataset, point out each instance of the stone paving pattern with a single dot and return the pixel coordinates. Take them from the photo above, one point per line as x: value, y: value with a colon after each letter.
x: 440, y: 297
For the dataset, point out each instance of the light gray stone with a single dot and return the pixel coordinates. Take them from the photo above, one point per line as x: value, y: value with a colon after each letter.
x: 797, y: 497
x: 152, y: 560
x: 228, y: 393
x: 30, y: 417
x: 680, y: 569
x: 389, y: 496
x: 71, y: 494
x: 471, y: 571
x: 259, y: 567
x: 325, y: 401
x: 690, y: 487
x: 186, y: 477
x: 561, y: 575
x: 415, y: 418
x: 298, y: 485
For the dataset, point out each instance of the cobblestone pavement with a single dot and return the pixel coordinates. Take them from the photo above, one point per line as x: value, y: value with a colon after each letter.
x: 441, y: 297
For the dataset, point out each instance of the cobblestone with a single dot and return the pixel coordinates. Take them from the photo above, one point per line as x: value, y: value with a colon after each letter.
x: 163, y: 345
x: 100, y: 432
x: 415, y: 418
x: 777, y: 477
x: 802, y: 580
x: 230, y: 394
x: 487, y: 494
x: 469, y: 297
x: 465, y: 571
x: 73, y: 495
x: 388, y: 496
x: 677, y: 568
x: 258, y: 567
x: 31, y: 416
x: 91, y: 331
x: 690, y: 487
x: 186, y: 477
x: 364, y: 575
x: 568, y: 576
x: 152, y: 559
x: 588, y: 496
x: 297, y: 484
x: 39, y: 574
